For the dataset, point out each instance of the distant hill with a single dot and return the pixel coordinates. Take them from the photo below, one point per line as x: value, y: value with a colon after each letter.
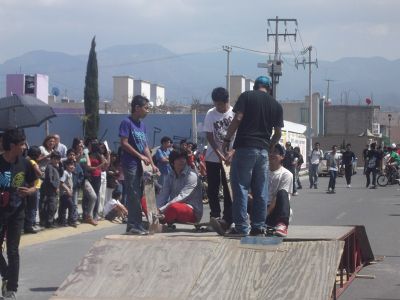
x: 190, y: 76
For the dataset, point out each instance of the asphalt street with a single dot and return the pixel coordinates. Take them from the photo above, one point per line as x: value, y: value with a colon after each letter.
x: 46, y: 264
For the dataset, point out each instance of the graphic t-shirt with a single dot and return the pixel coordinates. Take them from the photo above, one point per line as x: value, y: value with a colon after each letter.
x: 135, y: 131
x: 217, y: 123
x: 13, y: 176
x: 281, y: 179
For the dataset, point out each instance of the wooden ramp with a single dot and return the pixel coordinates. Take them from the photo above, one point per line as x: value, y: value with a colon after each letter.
x: 181, y: 266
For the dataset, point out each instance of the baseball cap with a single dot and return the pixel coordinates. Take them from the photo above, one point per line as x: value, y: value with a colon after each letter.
x: 262, y: 81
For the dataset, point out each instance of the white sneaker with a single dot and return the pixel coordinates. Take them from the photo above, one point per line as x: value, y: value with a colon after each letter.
x: 349, y: 186
x: 295, y: 194
x: 10, y: 295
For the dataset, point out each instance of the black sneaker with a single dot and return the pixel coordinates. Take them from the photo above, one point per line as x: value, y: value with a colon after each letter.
x: 30, y: 230
x: 233, y: 233
x: 219, y: 225
x: 258, y: 232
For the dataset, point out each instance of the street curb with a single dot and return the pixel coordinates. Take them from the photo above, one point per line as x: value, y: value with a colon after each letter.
x: 61, y: 232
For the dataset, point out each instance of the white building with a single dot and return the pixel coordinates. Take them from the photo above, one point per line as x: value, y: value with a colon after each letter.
x: 249, y: 84
x: 142, y: 87
x: 123, y: 93
x: 157, y: 94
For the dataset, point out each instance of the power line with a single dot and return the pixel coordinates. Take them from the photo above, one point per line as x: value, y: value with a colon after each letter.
x: 251, y: 50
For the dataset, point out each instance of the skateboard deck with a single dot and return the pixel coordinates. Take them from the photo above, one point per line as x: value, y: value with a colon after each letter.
x: 227, y: 170
x: 148, y: 181
x: 197, y: 226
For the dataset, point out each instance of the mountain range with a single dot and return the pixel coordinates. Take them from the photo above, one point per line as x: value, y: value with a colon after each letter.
x: 193, y: 75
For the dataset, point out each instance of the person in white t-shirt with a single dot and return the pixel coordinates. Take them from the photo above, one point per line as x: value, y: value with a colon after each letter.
x: 216, y: 123
x: 315, y: 157
x: 114, y: 209
x: 280, y: 187
x: 333, y: 167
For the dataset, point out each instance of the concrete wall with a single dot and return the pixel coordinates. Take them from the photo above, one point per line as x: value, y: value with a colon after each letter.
x: 69, y: 126
x: 348, y: 119
x: 357, y: 143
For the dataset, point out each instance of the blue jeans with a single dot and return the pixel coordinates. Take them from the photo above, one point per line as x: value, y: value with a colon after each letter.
x: 249, y: 172
x: 313, y: 175
x: 134, y: 192
x: 332, y: 179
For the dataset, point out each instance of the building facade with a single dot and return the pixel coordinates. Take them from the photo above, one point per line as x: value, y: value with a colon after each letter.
x: 36, y: 85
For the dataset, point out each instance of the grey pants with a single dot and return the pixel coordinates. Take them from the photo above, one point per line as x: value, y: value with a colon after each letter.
x: 313, y: 174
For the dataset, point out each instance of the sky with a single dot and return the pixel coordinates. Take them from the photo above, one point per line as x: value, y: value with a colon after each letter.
x: 335, y: 28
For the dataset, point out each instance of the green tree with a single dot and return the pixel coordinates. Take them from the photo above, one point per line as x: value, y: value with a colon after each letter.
x: 91, y: 95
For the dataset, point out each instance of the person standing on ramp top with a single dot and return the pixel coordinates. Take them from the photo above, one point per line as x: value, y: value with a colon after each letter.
x: 256, y: 114
x: 132, y: 132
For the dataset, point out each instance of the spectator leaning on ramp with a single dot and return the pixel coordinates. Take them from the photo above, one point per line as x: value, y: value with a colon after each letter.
x: 256, y: 113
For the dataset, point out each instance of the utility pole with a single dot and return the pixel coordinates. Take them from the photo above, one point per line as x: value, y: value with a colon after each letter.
x: 310, y: 107
x: 275, y: 65
x: 228, y: 50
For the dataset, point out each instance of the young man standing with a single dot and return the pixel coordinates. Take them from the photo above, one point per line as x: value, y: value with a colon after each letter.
x: 216, y: 123
x: 289, y: 163
x: 162, y: 156
x: 315, y: 157
x: 373, y: 161
x: 256, y: 114
x: 347, y: 160
x: 333, y: 167
x: 17, y: 182
x: 132, y: 132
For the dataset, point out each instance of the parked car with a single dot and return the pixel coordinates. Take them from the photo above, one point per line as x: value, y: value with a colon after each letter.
x: 323, y: 168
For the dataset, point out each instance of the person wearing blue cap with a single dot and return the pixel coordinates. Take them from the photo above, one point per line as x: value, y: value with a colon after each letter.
x: 256, y: 115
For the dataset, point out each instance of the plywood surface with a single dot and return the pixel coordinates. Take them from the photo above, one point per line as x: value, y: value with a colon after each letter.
x: 182, y: 267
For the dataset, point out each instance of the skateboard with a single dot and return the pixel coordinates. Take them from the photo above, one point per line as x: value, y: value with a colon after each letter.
x: 149, y: 179
x: 227, y: 170
x: 197, y: 226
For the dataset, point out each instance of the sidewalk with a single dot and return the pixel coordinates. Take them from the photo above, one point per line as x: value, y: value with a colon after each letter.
x: 61, y: 232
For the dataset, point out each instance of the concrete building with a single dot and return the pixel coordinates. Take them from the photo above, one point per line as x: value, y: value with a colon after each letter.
x: 354, y: 124
x: 36, y: 85
x: 298, y: 112
x: 249, y: 84
x: 123, y: 93
x: 157, y: 94
x: 142, y: 87
x: 237, y: 86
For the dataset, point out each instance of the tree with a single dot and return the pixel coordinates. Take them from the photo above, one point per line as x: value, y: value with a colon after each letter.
x: 91, y: 95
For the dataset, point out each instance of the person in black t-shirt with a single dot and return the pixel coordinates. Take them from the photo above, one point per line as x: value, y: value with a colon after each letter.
x: 256, y: 114
x: 373, y: 161
x: 17, y: 178
x: 289, y: 162
x: 348, y: 157
x: 364, y: 156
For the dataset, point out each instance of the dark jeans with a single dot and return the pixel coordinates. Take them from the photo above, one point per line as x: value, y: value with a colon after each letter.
x: 49, y: 209
x: 31, y: 210
x: 293, y: 171
x: 281, y: 212
x: 332, y: 179
x: 96, y: 183
x: 11, y: 234
x: 368, y: 172
x: 215, y: 176
x: 66, y: 203
x: 348, y: 172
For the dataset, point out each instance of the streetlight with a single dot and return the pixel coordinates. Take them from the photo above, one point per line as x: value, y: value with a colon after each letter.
x: 390, y: 119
